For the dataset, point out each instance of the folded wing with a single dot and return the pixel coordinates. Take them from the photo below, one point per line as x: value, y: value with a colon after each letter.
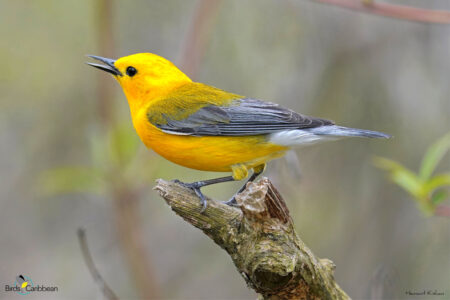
x: 243, y: 117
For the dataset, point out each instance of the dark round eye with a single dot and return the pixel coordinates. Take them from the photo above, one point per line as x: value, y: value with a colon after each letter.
x: 131, y: 71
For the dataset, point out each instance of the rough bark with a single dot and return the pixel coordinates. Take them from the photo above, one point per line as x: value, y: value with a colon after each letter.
x: 260, y: 238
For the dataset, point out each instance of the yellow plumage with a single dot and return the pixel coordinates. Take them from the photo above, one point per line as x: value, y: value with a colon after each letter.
x: 205, y: 128
x: 161, y: 87
x: 209, y: 153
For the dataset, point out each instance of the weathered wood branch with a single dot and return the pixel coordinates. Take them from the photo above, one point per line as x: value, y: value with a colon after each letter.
x: 261, y: 240
x: 395, y: 11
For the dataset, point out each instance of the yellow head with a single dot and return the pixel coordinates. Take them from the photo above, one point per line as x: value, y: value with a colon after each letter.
x: 143, y: 76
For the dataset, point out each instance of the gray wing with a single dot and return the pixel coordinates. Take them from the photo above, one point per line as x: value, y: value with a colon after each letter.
x: 243, y: 118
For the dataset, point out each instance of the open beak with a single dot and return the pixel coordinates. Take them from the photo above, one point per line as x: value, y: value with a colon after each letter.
x: 108, y: 65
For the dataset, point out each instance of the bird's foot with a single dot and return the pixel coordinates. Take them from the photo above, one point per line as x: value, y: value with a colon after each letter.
x: 195, y: 186
x: 231, y: 202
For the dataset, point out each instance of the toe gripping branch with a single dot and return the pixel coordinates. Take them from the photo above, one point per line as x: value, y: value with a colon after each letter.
x: 196, y: 186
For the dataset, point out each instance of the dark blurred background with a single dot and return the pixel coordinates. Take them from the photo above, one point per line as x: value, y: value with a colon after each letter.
x: 70, y: 158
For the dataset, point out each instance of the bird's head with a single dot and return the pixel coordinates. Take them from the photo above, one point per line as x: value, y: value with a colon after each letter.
x: 143, y: 76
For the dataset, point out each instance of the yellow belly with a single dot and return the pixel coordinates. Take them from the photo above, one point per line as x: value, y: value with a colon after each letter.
x: 210, y: 153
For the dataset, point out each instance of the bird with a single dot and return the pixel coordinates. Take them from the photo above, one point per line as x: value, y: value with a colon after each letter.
x: 202, y: 127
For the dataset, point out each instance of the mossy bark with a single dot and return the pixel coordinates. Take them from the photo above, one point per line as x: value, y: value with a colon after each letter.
x: 259, y: 236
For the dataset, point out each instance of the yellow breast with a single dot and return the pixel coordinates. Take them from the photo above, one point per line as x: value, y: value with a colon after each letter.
x: 210, y: 153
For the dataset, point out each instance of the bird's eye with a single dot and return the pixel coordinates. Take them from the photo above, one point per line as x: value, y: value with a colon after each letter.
x: 131, y: 71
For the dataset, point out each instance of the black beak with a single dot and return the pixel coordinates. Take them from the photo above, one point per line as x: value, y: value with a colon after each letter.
x: 108, y: 65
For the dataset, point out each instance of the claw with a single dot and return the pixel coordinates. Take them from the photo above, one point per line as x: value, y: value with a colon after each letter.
x: 202, y: 199
x: 195, y: 186
x: 231, y: 202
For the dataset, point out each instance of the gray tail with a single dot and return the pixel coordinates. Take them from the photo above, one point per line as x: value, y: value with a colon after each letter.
x: 334, y: 130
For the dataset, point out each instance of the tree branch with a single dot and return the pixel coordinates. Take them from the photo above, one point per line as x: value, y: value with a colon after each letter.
x: 261, y: 240
x: 393, y: 11
x: 107, y: 291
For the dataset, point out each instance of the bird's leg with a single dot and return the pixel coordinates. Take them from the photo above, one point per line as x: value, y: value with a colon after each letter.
x: 256, y: 172
x: 196, y: 186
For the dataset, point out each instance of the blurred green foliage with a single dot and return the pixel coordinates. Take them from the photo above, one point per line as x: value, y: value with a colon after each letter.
x: 115, y: 163
x: 427, y: 190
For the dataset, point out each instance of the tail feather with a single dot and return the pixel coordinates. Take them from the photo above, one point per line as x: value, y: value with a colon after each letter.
x: 309, y: 136
x: 338, y: 131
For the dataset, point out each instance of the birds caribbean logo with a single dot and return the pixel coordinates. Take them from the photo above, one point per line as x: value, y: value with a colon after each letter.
x: 205, y: 128
x: 22, y: 282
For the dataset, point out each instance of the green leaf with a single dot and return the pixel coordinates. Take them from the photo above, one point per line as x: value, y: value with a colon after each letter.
x: 400, y: 175
x: 434, y: 154
x: 70, y: 180
x: 387, y: 164
x: 426, y: 190
x: 408, y: 181
x: 438, y: 197
x: 437, y: 182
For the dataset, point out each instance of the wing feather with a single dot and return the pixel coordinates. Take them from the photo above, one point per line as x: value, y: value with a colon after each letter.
x: 243, y: 117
